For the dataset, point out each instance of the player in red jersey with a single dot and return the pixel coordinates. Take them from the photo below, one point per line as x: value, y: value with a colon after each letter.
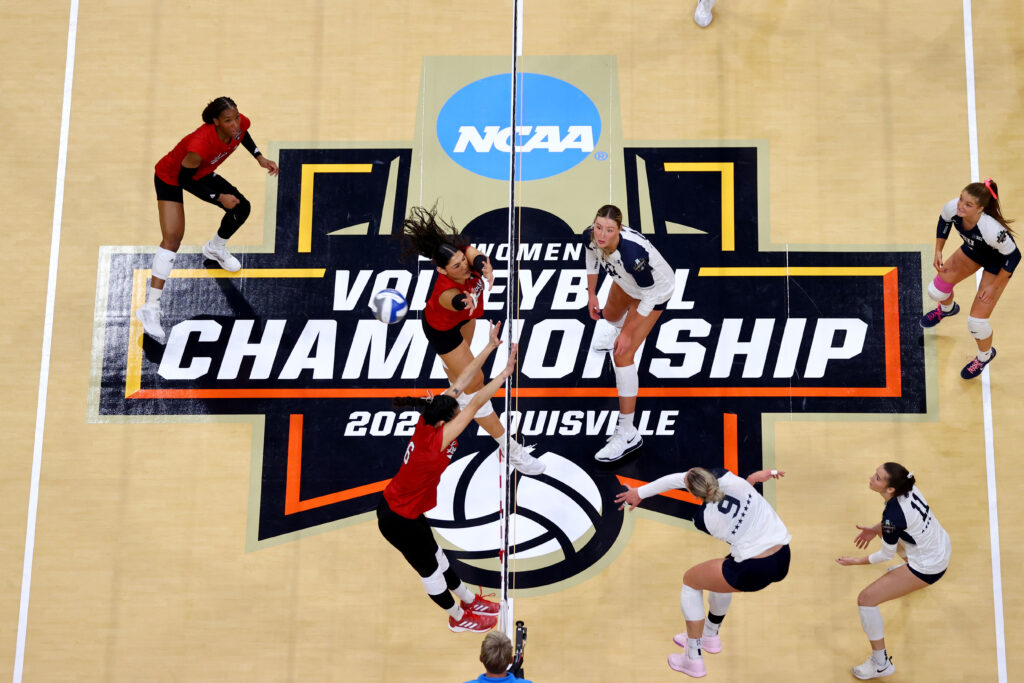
x: 413, y: 491
x: 191, y: 166
x: 455, y: 303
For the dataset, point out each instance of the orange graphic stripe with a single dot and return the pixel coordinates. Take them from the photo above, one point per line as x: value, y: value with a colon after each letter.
x: 730, y: 458
x: 292, y: 501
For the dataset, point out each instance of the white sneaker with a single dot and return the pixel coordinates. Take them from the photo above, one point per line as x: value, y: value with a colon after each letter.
x: 605, y: 335
x: 521, y: 459
x: 619, y: 445
x: 871, y: 670
x: 222, y: 256
x: 703, y: 13
x: 149, y: 316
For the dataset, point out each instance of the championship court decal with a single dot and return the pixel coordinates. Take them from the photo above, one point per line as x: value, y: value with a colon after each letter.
x: 289, y: 342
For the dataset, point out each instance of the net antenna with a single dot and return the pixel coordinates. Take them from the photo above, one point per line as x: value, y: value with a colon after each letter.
x: 506, y: 615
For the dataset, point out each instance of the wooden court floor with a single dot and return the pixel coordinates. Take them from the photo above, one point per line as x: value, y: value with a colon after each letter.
x: 140, y: 570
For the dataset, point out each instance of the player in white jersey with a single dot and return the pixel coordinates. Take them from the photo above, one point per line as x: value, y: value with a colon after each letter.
x: 988, y: 244
x: 732, y: 511
x: 907, y: 522
x: 642, y: 285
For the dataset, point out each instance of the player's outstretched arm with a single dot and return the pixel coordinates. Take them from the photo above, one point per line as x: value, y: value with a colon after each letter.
x: 762, y: 476
x: 466, y: 376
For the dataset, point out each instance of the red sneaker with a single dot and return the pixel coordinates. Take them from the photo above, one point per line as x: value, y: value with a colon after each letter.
x: 477, y: 623
x: 481, y: 605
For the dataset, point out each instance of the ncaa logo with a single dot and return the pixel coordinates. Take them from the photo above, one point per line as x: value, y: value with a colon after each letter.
x: 558, y: 126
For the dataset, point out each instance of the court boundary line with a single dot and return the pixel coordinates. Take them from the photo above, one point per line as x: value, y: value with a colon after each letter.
x: 47, y: 343
x: 986, y: 385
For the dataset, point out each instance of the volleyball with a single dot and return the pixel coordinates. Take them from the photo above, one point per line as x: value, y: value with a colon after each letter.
x: 389, y: 306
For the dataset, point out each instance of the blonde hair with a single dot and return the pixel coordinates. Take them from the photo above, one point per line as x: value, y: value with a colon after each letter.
x: 704, y: 485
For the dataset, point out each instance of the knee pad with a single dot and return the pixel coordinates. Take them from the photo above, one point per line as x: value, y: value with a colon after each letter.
x: 435, y: 583
x: 485, y: 410
x: 627, y: 380
x: 692, y: 602
x: 718, y: 603
x: 871, y: 621
x: 442, y: 561
x: 979, y: 327
x: 163, y: 263
x: 939, y: 289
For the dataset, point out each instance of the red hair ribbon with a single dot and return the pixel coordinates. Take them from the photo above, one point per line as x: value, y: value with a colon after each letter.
x: 988, y: 184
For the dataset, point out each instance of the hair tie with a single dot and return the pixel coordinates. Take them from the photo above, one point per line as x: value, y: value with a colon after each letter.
x: 988, y: 184
x: 910, y: 475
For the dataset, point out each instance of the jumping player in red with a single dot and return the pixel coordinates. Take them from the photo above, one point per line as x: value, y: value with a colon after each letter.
x: 191, y: 166
x: 455, y: 304
x: 413, y: 491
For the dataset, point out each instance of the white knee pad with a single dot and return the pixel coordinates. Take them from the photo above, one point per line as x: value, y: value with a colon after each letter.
x: 435, y: 583
x: 871, y: 621
x: 718, y: 603
x: 163, y: 262
x: 692, y: 602
x: 442, y: 561
x: 939, y: 289
x: 979, y: 327
x: 627, y: 380
x: 485, y: 410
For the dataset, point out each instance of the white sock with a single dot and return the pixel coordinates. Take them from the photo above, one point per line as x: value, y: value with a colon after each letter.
x: 878, y: 657
x: 218, y: 241
x: 456, y: 611
x: 945, y: 308
x: 464, y: 594
x: 153, y: 297
x: 626, y: 424
x: 693, y: 648
x: 710, y: 628
x: 985, y: 356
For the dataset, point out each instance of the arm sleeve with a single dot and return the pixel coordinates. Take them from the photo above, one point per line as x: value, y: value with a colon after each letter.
x: 250, y: 145
x: 883, y: 554
x: 893, y: 522
x: 666, y: 483
x: 195, y: 187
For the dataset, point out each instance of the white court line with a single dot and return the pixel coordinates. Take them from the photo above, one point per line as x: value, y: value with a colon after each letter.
x: 986, y: 387
x: 44, y: 366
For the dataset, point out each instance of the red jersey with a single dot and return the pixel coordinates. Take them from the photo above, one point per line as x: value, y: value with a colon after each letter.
x: 439, y: 317
x: 205, y: 142
x: 413, y: 490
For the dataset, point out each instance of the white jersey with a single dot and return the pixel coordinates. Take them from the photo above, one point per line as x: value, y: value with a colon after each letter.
x: 987, y: 243
x: 909, y: 519
x: 743, y: 519
x: 637, y: 267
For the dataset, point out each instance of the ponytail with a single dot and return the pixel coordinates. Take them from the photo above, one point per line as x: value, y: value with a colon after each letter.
x: 900, y: 479
x: 434, y: 409
x: 987, y: 195
x: 704, y: 485
x: 430, y: 236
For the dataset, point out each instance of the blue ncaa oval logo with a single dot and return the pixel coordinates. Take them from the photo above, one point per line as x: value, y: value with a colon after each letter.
x: 558, y: 128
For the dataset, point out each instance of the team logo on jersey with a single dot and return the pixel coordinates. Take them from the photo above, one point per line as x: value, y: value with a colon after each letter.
x: 289, y: 345
x: 1001, y: 237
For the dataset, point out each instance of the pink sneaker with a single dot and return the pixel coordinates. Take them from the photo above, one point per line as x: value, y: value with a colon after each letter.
x: 690, y: 667
x: 481, y: 605
x: 710, y: 644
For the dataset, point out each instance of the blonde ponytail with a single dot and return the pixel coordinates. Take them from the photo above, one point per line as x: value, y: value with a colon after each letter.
x: 704, y: 485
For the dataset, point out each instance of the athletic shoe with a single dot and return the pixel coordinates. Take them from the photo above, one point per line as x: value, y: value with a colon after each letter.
x: 481, y: 605
x: 932, y: 318
x: 703, y: 13
x: 710, y: 644
x: 974, y: 368
x: 871, y: 670
x: 476, y: 623
x: 149, y: 316
x: 523, y: 461
x: 605, y: 335
x: 222, y: 256
x: 619, y: 445
x: 690, y: 667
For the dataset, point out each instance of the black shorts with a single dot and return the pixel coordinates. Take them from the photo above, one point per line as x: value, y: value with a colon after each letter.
x: 412, y: 537
x: 173, y: 193
x: 993, y: 265
x: 757, y: 572
x: 927, y: 578
x: 444, y: 341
